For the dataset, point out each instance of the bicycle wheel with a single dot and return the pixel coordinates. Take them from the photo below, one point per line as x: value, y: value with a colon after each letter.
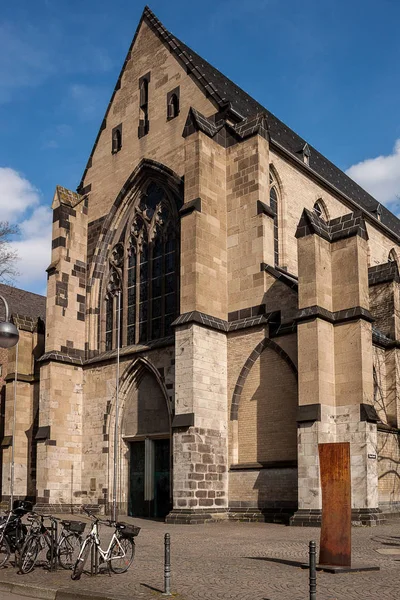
x: 80, y: 562
x: 122, y: 555
x: 4, y: 552
x: 68, y: 550
x: 29, y: 554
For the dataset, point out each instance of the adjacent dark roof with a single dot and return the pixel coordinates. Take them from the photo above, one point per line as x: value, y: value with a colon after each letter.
x: 22, y: 303
x: 222, y: 91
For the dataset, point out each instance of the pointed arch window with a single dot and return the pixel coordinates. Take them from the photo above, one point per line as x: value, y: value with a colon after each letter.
x: 144, y: 105
x: 173, y: 104
x: 320, y: 209
x: 116, y: 139
x: 148, y: 270
x: 273, y: 202
x: 392, y: 256
x: 109, y: 322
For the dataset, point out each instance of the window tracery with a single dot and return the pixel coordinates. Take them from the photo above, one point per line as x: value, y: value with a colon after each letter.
x: 144, y: 266
x: 320, y: 209
x: 392, y: 256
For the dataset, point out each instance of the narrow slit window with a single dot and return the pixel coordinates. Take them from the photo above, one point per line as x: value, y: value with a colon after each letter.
x: 144, y: 105
x: 172, y: 106
x: 116, y: 139
x: 109, y: 322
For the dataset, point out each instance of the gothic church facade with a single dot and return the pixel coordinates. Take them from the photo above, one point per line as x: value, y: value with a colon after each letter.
x: 253, y: 291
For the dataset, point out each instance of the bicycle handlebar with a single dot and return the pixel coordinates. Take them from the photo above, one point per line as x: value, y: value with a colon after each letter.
x: 107, y: 522
x: 36, y: 516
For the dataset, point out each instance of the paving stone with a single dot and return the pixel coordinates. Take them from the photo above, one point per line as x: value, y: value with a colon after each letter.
x: 238, y: 561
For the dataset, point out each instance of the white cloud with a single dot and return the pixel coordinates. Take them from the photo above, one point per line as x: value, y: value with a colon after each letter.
x: 20, y: 203
x: 380, y: 176
x: 17, y: 194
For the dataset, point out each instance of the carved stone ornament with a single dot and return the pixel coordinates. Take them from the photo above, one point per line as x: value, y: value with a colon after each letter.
x: 117, y: 256
x: 114, y: 283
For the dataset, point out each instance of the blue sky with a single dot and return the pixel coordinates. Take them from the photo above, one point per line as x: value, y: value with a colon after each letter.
x: 329, y: 69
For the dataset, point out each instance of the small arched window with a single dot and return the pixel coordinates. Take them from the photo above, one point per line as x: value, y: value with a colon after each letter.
x: 144, y: 93
x: 320, y: 210
x: 144, y: 105
x: 172, y: 106
x: 117, y: 139
x: 392, y: 256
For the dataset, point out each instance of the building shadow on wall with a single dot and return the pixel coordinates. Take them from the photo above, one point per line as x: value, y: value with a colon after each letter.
x: 271, y: 395
x: 32, y: 447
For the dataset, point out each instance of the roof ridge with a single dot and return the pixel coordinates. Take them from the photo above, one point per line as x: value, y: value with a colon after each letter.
x: 176, y: 45
x: 223, y: 92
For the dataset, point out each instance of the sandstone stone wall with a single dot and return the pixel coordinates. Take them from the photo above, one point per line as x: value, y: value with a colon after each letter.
x: 272, y: 488
x: 389, y: 471
x: 267, y: 412
x: 200, y: 453
x: 108, y: 172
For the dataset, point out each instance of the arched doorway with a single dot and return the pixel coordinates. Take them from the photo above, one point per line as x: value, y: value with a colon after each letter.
x: 146, y: 433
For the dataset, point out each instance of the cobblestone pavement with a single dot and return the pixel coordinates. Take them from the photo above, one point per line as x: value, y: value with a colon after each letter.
x: 232, y: 560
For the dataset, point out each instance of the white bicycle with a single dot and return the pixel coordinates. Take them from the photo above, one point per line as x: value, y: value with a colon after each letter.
x: 120, y: 552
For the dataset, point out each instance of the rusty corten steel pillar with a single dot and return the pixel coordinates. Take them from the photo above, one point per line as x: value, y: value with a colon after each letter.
x: 335, y: 544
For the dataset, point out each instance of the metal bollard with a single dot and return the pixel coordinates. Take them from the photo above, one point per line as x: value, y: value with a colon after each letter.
x: 313, y: 571
x: 94, y: 560
x: 167, y: 565
x: 53, y: 546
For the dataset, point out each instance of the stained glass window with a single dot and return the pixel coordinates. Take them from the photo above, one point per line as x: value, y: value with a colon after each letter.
x: 273, y: 202
x: 150, y: 272
x: 109, y: 322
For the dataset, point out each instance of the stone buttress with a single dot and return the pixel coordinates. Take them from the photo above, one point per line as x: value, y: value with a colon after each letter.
x: 335, y: 361
x: 59, y: 455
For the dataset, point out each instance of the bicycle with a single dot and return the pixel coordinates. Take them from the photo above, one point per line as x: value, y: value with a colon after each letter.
x: 12, y: 531
x: 65, y: 548
x: 121, y: 549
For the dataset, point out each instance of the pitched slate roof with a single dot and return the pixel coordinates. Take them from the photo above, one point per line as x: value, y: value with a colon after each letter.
x: 22, y: 303
x: 222, y: 91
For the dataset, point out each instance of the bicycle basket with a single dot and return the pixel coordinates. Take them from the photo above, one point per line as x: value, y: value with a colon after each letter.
x: 22, y: 507
x: 74, y: 526
x: 127, y: 530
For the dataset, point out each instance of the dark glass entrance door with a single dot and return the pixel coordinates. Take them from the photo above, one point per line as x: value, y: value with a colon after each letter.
x: 136, y: 506
x: 149, y: 478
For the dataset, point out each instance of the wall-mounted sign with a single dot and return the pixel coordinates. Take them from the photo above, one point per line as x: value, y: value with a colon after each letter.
x: 372, y: 456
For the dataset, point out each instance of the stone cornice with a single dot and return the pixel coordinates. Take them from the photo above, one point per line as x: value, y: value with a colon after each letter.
x: 190, y: 207
x: 334, y: 230
x: 127, y: 351
x: 340, y: 316
x: 21, y: 377
x: 264, y: 209
x: 382, y: 341
x: 56, y: 356
x: 258, y: 466
x: 384, y: 273
x: 211, y: 322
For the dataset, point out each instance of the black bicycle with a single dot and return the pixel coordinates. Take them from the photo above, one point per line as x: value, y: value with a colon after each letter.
x: 12, y: 531
x: 64, y: 548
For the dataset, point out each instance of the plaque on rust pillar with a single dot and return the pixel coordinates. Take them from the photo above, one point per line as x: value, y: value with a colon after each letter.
x: 335, y: 545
